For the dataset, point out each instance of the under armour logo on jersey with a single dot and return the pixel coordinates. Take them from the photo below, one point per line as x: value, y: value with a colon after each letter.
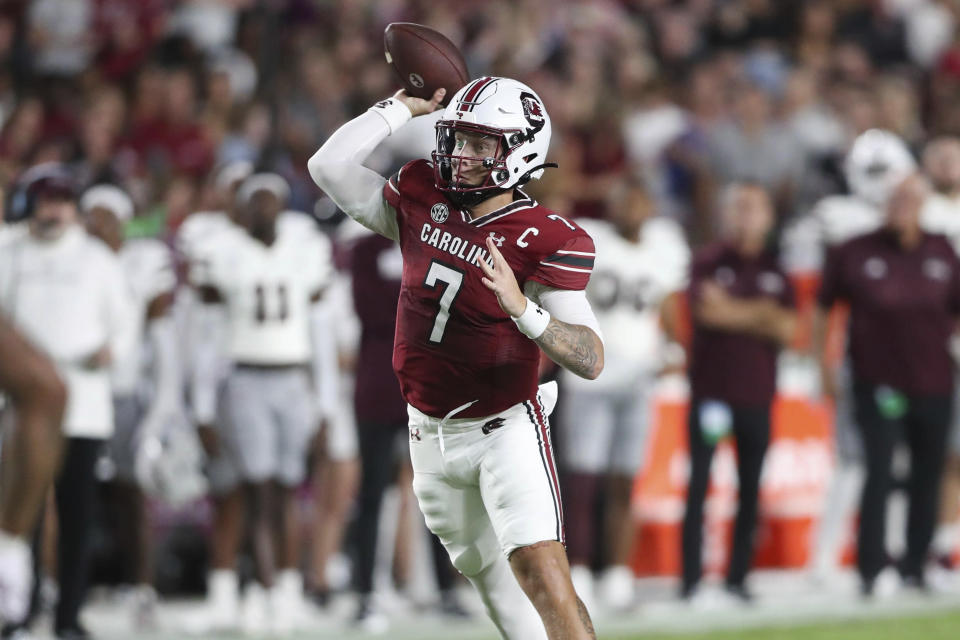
x: 496, y: 423
x: 498, y: 239
x: 439, y: 212
x: 415, y: 435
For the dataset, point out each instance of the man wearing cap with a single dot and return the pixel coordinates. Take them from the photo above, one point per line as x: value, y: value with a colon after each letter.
x: 67, y: 293
x: 268, y: 281
x: 146, y: 385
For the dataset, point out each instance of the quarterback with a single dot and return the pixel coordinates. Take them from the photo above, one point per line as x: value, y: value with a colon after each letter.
x: 490, y: 278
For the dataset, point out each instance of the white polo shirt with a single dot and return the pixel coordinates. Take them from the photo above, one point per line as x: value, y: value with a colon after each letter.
x: 70, y: 297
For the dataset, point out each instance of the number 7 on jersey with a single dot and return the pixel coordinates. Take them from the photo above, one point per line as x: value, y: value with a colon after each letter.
x: 453, y: 278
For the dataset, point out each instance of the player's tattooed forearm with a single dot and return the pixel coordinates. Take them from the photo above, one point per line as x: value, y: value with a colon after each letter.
x: 585, y: 618
x: 574, y: 347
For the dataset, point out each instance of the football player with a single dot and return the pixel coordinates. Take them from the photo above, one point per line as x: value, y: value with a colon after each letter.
x: 941, y: 214
x: 205, y: 367
x: 268, y: 282
x: 641, y: 260
x: 146, y: 385
x: 877, y: 161
x: 31, y: 453
x: 489, y: 279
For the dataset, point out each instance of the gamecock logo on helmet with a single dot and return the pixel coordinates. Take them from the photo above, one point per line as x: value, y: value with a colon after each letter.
x: 532, y: 109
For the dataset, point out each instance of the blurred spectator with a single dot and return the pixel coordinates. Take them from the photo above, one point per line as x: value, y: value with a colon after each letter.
x: 753, y: 146
x: 61, y: 36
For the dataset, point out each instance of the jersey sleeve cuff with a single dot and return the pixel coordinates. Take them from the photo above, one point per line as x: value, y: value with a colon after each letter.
x: 395, y: 113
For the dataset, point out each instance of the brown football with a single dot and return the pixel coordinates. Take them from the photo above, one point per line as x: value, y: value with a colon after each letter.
x: 424, y: 60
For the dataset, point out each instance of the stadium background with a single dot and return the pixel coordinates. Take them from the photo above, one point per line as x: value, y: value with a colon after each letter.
x: 154, y: 94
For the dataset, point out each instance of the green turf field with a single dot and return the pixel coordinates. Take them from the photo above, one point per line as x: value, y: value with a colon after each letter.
x: 930, y: 627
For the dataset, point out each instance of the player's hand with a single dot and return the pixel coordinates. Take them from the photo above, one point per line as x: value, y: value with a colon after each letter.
x: 419, y: 106
x: 210, y: 440
x: 501, y: 280
x: 828, y: 383
x: 714, y: 306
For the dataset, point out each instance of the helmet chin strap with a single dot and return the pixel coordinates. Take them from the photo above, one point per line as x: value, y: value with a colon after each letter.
x: 525, y: 178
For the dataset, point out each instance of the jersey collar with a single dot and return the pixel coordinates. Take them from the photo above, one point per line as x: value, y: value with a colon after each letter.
x: 521, y: 201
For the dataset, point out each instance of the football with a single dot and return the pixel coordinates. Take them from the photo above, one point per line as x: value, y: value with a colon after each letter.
x: 424, y: 60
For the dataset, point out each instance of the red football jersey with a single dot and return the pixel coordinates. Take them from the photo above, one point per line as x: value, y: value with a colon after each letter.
x: 454, y: 344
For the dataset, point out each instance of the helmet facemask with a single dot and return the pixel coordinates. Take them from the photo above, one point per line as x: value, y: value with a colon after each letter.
x: 449, y: 167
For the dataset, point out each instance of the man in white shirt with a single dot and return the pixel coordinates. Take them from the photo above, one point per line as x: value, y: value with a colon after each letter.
x: 67, y: 293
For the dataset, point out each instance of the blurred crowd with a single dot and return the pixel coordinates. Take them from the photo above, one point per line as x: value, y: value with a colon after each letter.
x: 198, y: 106
x: 152, y: 95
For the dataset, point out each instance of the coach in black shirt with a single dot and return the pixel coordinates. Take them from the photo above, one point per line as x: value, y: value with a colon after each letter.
x: 903, y: 288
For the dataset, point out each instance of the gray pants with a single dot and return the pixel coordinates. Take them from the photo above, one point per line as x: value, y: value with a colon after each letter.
x: 128, y: 412
x: 270, y: 418
x: 605, y: 431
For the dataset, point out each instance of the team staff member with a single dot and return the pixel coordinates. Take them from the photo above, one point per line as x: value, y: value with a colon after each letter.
x: 66, y: 291
x: 743, y: 313
x: 903, y: 288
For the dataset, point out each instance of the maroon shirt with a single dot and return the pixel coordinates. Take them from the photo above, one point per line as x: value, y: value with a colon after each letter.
x: 738, y: 368
x: 902, y: 309
x: 375, y: 269
x: 454, y: 343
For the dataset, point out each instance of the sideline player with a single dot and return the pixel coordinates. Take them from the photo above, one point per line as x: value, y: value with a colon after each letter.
x: 142, y: 405
x: 641, y: 260
x: 31, y: 450
x: 268, y: 282
x: 466, y: 350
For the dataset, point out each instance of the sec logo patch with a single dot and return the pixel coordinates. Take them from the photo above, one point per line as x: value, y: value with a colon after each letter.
x: 439, y: 212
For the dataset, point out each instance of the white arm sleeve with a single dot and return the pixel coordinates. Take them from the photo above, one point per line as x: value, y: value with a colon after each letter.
x: 565, y: 305
x: 120, y: 313
x: 162, y: 336
x: 207, y: 324
x: 337, y: 167
x: 325, y: 367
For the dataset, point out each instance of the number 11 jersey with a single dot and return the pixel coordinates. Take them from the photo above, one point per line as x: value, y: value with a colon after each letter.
x: 454, y: 345
x: 267, y: 292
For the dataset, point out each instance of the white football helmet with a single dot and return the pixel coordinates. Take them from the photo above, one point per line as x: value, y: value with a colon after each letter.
x: 513, y: 113
x: 877, y: 162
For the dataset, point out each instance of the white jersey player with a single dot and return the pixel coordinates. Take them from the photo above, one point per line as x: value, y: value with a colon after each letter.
x: 640, y: 261
x: 203, y: 346
x: 267, y: 279
x: 146, y: 393
x: 875, y: 164
x: 941, y: 214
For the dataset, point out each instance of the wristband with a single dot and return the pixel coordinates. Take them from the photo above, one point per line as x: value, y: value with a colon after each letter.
x: 393, y: 111
x: 533, y: 321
